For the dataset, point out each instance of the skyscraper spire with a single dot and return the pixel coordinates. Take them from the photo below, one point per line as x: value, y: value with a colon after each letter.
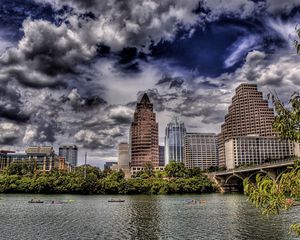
x: 145, y: 99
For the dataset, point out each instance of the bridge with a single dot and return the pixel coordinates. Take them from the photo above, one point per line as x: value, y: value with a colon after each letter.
x: 232, y: 180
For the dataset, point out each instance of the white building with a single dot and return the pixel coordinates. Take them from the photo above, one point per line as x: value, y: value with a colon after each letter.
x: 201, y: 150
x: 123, y: 155
x: 255, y: 150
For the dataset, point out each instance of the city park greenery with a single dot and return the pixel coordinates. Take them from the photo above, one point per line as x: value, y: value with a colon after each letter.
x: 276, y: 195
x: 21, y: 178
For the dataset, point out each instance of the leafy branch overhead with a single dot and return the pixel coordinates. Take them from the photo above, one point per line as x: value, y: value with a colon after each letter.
x: 287, y: 119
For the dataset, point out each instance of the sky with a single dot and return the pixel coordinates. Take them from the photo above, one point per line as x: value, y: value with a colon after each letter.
x: 71, y: 71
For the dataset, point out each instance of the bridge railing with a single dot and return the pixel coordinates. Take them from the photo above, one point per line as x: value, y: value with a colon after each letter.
x: 266, y: 164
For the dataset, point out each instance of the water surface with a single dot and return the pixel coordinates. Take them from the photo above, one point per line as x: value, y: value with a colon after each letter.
x: 227, y: 216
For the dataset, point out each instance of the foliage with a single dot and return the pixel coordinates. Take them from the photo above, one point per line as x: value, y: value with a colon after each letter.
x: 276, y: 195
x: 287, y: 119
x: 176, y: 170
x: 17, y: 178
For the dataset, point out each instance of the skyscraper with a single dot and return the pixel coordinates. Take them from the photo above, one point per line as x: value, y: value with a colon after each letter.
x: 201, y: 150
x: 144, y: 135
x: 174, y: 141
x: 70, y: 153
x: 248, y: 114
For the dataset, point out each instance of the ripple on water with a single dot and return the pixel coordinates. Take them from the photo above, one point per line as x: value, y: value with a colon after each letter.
x: 140, y: 217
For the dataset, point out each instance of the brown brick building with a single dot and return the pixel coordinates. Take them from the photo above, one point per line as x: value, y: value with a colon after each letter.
x: 144, y: 135
x: 248, y: 114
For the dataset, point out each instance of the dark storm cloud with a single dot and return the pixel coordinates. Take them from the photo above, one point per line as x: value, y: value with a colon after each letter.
x: 133, y: 23
x: 10, y: 133
x: 172, y: 82
x: 45, y: 52
x: 11, y: 105
x: 79, y: 103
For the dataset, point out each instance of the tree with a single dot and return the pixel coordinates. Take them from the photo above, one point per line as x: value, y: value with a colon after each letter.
x: 177, y: 170
x: 148, y: 169
x: 287, y: 119
x: 276, y: 195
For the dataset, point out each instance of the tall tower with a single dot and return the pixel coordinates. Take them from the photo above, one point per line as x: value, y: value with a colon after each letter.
x: 174, y: 141
x: 144, y: 135
x: 247, y: 115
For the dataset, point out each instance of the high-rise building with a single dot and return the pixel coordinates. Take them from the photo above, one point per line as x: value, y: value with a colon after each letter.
x: 123, y: 155
x: 200, y: 150
x: 174, y: 141
x: 248, y: 114
x: 110, y: 165
x: 161, y: 156
x: 70, y: 153
x: 144, y: 135
x: 255, y: 150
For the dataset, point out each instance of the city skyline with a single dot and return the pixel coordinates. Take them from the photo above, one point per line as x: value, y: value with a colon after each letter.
x: 71, y: 73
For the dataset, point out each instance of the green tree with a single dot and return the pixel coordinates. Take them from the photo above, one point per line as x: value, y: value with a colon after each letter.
x: 287, y: 119
x: 148, y: 169
x: 176, y: 170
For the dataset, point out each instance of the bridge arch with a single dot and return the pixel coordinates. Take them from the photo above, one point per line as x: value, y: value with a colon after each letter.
x: 260, y: 171
x: 234, y: 175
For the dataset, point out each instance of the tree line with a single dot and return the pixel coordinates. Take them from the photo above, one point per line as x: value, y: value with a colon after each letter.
x: 20, y: 177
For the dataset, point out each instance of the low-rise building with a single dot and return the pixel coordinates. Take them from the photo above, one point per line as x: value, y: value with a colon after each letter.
x: 135, y: 170
x: 43, y: 158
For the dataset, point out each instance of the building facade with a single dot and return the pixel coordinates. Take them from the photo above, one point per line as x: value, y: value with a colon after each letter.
x: 123, y: 155
x: 110, y: 165
x: 161, y: 156
x: 44, y: 159
x: 248, y: 114
x: 174, y: 141
x: 255, y: 150
x: 144, y: 135
x: 200, y: 150
x: 70, y: 153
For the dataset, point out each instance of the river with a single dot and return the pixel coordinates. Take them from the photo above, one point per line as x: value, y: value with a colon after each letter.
x: 227, y: 216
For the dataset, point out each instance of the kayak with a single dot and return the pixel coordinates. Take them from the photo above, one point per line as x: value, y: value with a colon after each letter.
x: 35, y: 201
x: 119, y: 200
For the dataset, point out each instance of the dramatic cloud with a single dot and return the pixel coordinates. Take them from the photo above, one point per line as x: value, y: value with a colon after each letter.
x: 72, y: 71
x: 44, y: 53
x: 132, y: 23
x: 9, y: 133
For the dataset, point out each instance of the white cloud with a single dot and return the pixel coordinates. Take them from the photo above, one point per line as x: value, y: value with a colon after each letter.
x: 240, y: 48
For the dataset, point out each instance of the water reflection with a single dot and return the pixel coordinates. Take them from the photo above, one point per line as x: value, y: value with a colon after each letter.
x: 145, y: 219
x: 141, y: 217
